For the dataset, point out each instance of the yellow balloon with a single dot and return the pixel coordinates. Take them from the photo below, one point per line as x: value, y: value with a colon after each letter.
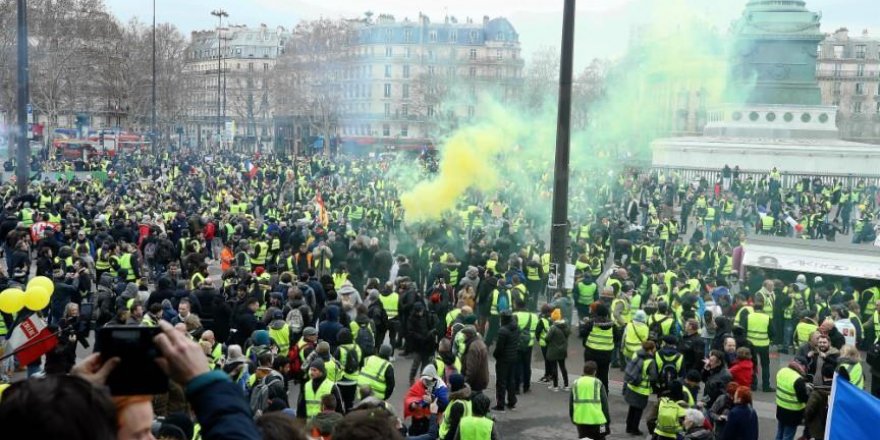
x: 11, y: 300
x: 36, y: 298
x: 43, y: 282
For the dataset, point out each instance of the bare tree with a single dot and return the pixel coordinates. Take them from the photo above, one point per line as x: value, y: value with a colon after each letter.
x: 308, y: 76
x: 587, y: 89
x: 541, y: 78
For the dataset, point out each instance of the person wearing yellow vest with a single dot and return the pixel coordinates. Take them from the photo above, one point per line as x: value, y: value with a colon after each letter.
x: 598, y: 335
x: 805, y: 328
x: 199, y: 277
x: 390, y: 301
x: 850, y: 361
x: 216, y: 354
x: 634, y: 334
x: 378, y: 373
x: 350, y: 360
x: 791, y: 397
x: 280, y: 332
x: 528, y: 326
x: 476, y: 426
x: 621, y: 314
x: 318, y: 386
x: 588, y: 405
x: 759, y: 332
x: 636, y: 394
x: 459, y: 407
x: 670, y: 412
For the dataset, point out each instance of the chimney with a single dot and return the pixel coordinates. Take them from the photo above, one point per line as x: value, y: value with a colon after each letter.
x: 485, y: 20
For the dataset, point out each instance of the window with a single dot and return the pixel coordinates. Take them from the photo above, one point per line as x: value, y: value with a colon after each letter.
x: 860, y: 88
x: 836, y: 103
x: 406, y: 70
x: 407, y: 35
x: 837, y: 69
x: 473, y: 54
x: 472, y: 72
x: 250, y: 67
x: 389, y: 33
x: 431, y: 110
x: 473, y: 36
x: 407, y: 52
x: 499, y: 55
x: 453, y: 36
x: 404, y: 110
x: 386, y: 130
x: 857, y: 107
x: 405, y: 91
x: 838, y: 51
x: 819, y: 51
x: 265, y: 67
x: 470, y: 111
x: 389, y: 52
x: 432, y: 36
x: 497, y: 72
x: 387, y: 109
x: 430, y: 70
x: 387, y: 90
x: 431, y: 55
x: 861, y: 51
x: 837, y: 86
x: 387, y: 71
x: 860, y: 70
x: 404, y: 130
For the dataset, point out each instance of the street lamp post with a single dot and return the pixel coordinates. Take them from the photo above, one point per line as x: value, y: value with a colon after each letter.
x: 23, y: 153
x: 153, y: 117
x: 559, y: 226
x: 219, y: 13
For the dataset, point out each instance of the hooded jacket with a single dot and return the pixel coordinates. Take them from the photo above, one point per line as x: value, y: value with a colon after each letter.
x: 557, y: 341
x: 475, y: 365
x: 507, y: 344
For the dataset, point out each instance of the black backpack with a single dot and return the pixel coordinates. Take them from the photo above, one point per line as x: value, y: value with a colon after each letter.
x: 668, y: 371
x: 352, y: 364
x: 525, y: 335
x: 655, y: 331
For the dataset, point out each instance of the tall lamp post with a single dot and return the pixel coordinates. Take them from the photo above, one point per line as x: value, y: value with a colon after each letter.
x: 23, y: 153
x: 153, y: 116
x: 559, y: 226
x: 219, y: 13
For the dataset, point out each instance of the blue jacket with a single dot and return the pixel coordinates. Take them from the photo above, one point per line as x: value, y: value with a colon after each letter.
x: 742, y: 424
x: 220, y: 408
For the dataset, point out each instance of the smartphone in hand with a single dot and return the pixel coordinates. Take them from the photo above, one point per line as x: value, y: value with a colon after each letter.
x: 137, y: 372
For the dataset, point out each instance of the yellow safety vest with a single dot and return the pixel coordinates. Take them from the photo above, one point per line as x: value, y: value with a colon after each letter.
x: 373, y: 374
x: 586, y: 398
x: 389, y: 303
x: 759, y: 325
x: 856, y: 376
x: 528, y: 322
x: 444, y: 425
x: 786, y: 397
x: 313, y: 398
x: 281, y: 337
x: 475, y: 428
x: 600, y: 339
x: 668, y: 415
x: 644, y: 387
x: 636, y: 333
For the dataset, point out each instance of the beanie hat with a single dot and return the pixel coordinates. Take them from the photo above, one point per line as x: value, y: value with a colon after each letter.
x: 318, y: 364
x: 640, y: 316
x: 260, y: 337
x: 430, y: 372
x: 310, y: 331
x: 456, y: 382
x: 323, y: 348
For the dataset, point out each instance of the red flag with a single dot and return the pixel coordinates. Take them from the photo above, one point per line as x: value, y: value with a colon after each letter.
x: 33, y: 338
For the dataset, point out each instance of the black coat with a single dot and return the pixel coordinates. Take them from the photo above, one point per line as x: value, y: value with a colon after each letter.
x: 507, y: 344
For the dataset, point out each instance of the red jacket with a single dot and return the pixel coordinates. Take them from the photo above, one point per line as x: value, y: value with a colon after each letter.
x: 209, y: 232
x: 742, y: 371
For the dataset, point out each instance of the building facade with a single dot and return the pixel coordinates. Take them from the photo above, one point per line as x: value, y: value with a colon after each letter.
x: 233, y: 64
x: 403, y: 83
x: 849, y: 77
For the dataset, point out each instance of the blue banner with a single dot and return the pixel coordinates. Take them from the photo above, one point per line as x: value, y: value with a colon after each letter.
x: 852, y: 412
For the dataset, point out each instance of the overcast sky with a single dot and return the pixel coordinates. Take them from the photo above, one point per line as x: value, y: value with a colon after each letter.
x: 602, y: 26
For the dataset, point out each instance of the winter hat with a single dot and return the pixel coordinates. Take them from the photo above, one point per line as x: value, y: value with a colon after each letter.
x: 556, y: 315
x: 469, y: 319
x: 640, y: 316
x: 386, y: 351
x: 456, y: 382
x: 260, y: 337
x: 429, y: 372
x: 374, y: 295
x: 318, y: 364
x: 310, y: 331
x: 344, y: 337
x: 277, y: 314
x: 602, y: 311
x: 234, y: 355
x: 259, y: 271
x: 323, y: 348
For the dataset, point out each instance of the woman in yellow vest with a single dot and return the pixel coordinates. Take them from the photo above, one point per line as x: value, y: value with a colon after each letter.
x: 477, y: 426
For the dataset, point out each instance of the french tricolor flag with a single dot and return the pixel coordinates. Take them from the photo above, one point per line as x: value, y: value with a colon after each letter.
x: 250, y: 168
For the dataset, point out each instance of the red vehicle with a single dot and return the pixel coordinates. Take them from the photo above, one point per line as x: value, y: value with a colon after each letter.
x: 75, y: 149
x: 121, y: 142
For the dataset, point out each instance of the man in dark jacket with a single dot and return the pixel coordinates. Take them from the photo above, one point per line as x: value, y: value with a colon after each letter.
x: 164, y: 290
x: 245, y: 322
x: 506, y: 351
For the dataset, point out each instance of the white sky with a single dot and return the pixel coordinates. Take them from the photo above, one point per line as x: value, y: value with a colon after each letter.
x: 602, y: 26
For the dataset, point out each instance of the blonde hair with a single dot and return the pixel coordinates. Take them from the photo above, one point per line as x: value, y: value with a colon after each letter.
x: 851, y: 352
